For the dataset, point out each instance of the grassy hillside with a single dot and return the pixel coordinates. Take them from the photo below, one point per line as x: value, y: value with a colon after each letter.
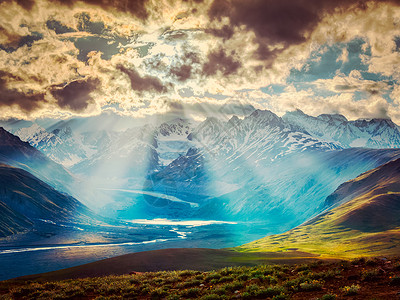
x: 200, y: 259
x: 365, y: 220
x: 359, y: 279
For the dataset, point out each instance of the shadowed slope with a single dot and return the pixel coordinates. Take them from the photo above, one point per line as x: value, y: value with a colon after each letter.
x: 25, y: 199
x: 365, y: 220
x: 17, y: 153
x: 12, y: 222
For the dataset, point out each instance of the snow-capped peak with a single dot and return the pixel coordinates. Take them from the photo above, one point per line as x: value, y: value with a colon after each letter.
x: 370, y: 133
x: 176, y: 127
x: 28, y: 133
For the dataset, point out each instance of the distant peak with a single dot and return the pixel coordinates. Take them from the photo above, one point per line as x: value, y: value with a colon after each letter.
x: 177, y: 120
x: 265, y: 118
x: 335, y: 117
x: 234, y: 120
x: 67, y: 131
x: 380, y: 121
x: 297, y: 111
x: 262, y: 113
x: 192, y: 151
x: 375, y: 119
x: 211, y: 120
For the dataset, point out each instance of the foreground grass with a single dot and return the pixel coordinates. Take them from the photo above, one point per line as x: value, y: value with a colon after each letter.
x: 359, y: 279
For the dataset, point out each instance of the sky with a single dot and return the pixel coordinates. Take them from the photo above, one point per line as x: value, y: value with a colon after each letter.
x: 140, y: 58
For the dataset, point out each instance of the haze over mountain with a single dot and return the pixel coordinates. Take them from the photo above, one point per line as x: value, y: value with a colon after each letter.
x: 26, y: 200
x: 17, y: 153
x: 260, y: 167
x: 295, y: 130
x: 176, y: 121
x: 362, y: 219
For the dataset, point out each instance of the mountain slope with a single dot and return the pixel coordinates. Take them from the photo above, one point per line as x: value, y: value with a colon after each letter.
x: 24, y: 200
x: 232, y: 168
x: 11, y: 222
x: 365, y: 221
x: 17, y: 153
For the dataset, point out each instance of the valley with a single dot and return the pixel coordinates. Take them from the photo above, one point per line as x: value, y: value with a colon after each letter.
x: 50, y: 246
x: 220, y: 183
x: 199, y: 149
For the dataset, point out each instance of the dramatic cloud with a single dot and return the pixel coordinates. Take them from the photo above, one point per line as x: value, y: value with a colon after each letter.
x: 219, y: 61
x: 81, y: 57
x: 184, y: 69
x: 76, y: 94
x: 143, y: 84
x: 352, y: 83
x: 282, y: 23
x: 12, y: 97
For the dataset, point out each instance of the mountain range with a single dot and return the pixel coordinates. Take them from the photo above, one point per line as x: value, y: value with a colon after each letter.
x: 265, y: 174
x: 263, y: 168
x: 294, y: 131
x: 370, y: 133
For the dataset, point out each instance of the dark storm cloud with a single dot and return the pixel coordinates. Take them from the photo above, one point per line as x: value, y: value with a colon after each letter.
x: 174, y: 105
x: 26, y: 4
x: 182, y: 73
x: 76, y: 94
x: 135, y: 7
x: 184, y: 70
x: 376, y: 88
x: 143, y: 84
x: 218, y: 60
x: 226, y: 32
x: 345, y: 87
x: 193, y: 1
x: 278, y: 21
x: 9, y: 96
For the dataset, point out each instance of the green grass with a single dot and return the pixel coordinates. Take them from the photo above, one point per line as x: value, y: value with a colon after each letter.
x: 317, y: 280
x: 327, y: 236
